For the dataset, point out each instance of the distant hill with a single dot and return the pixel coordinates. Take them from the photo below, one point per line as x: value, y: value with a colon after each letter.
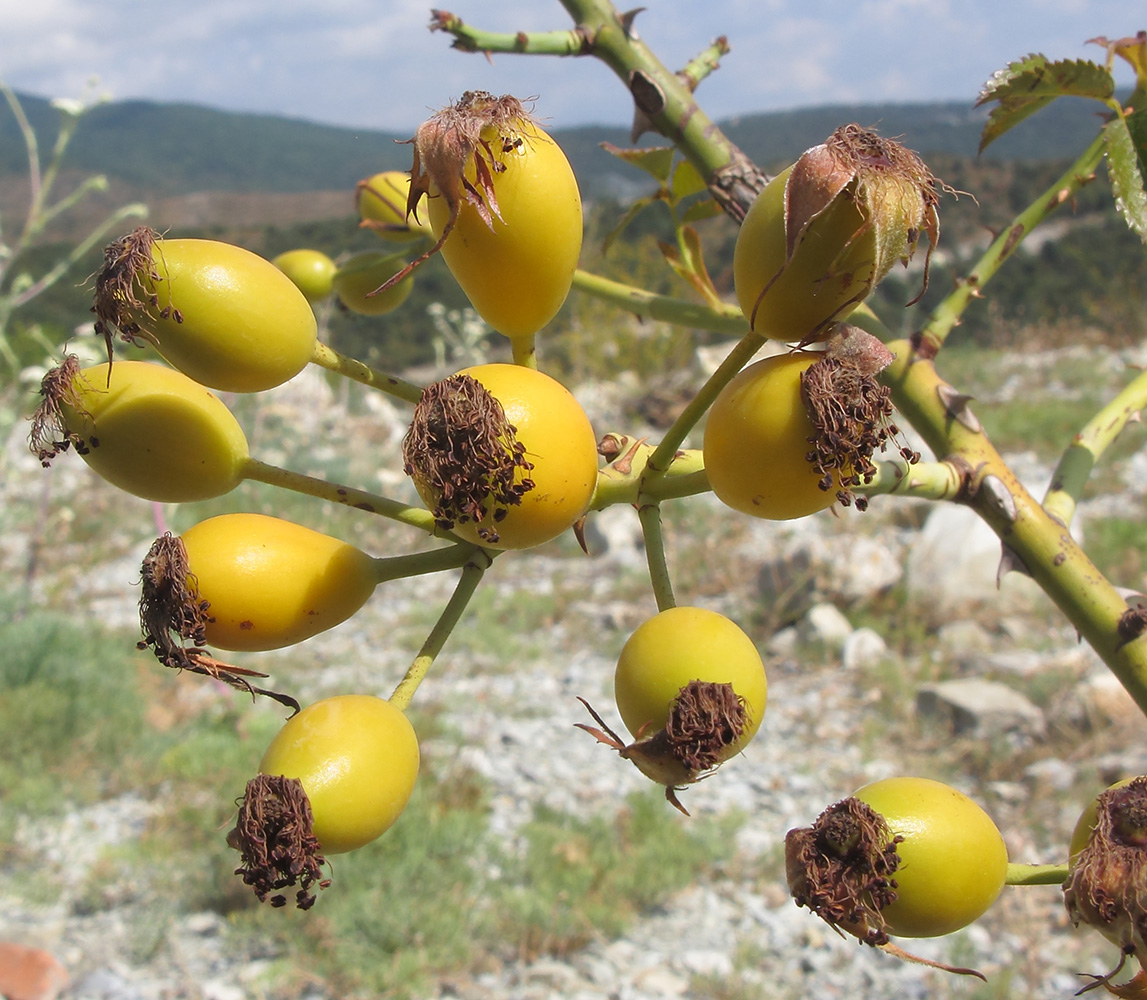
x: 162, y: 150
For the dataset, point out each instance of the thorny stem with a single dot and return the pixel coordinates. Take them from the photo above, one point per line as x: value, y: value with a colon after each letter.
x: 334, y: 493
x: 650, y: 516
x: 1035, y: 874
x: 947, y: 314
x: 664, y: 308
x: 622, y: 480
x: 480, y: 561
x: 1030, y: 535
x: 1086, y: 448
x: 663, y: 100
x: 327, y: 357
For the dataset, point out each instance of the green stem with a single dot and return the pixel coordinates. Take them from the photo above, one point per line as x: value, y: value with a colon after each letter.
x: 1086, y: 448
x: 705, y: 62
x: 924, y: 480
x: 947, y: 314
x: 524, y: 351
x: 480, y: 560
x: 650, y: 516
x: 1036, y: 874
x: 663, y: 100
x: 334, y: 493
x: 737, y: 358
x: 1039, y: 542
x: 327, y: 357
x: 661, y: 307
x: 387, y: 568
x: 623, y: 480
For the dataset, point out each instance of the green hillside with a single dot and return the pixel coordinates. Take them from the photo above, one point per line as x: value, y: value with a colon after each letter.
x: 171, y: 149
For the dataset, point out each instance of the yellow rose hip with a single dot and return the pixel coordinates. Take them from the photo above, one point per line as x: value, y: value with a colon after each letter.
x: 271, y: 583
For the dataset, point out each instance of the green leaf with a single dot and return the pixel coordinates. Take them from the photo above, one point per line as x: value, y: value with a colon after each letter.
x: 656, y: 161
x: 687, y: 180
x: 707, y: 208
x: 1125, y: 167
x: 1027, y: 85
x: 690, y: 265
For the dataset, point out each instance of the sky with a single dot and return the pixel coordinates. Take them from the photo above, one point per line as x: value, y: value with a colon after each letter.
x: 374, y: 65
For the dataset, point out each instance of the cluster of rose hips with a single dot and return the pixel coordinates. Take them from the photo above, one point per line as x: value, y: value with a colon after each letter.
x: 503, y: 457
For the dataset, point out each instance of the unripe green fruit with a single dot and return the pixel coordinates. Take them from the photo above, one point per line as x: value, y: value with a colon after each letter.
x: 310, y: 270
x: 830, y: 270
x: 365, y: 272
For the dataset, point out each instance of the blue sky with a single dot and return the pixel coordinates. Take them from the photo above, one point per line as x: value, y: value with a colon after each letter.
x: 375, y: 64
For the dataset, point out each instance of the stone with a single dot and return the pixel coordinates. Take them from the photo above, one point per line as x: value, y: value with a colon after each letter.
x: 863, y: 648
x: 861, y: 568
x: 826, y: 623
x: 615, y: 534
x: 786, y: 586
x: 30, y: 973
x: 975, y: 707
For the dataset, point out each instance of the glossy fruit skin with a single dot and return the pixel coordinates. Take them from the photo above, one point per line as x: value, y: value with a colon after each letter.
x: 245, y: 326
x: 357, y: 758
x: 362, y: 274
x: 953, y: 861
x: 517, y: 275
x: 684, y: 644
x: 162, y: 436
x: 272, y: 583
x: 311, y: 272
x: 756, y: 440
x: 825, y: 272
x: 559, y: 441
x: 389, y: 210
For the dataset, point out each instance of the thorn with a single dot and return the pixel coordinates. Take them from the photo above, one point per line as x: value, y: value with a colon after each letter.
x: 956, y: 405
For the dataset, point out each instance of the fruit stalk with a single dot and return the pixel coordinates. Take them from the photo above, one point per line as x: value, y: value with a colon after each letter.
x: 327, y: 357
x: 480, y: 560
x: 334, y: 493
x: 664, y: 308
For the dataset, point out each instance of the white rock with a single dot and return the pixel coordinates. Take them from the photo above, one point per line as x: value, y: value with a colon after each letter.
x: 826, y: 623
x: 976, y: 707
x: 863, y: 648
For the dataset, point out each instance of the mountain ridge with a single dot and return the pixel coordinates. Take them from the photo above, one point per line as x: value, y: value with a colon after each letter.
x: 169, y: 149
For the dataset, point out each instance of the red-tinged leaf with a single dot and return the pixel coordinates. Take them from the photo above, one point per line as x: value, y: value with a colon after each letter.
x: 687, y: 180
x: 634, y: 210
x: 1025, y: 86
x: 656, y: 161
x: 1125, y: 168
x: 1133, y: 49
x: 707, y: 208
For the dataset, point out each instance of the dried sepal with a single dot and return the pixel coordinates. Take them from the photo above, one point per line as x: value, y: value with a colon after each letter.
x: 1107, y: 886
x: 50, y: 434
x: 120, y: 299
x: 274, y: 835
x: 851, y: 411
x: 462, y: 451
x: 895, y: 192
x: 173, y: 619
x: 444, y: 145
x: 705, y: 721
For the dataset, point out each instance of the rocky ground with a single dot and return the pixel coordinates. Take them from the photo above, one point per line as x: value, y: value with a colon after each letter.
x: 854, y: 695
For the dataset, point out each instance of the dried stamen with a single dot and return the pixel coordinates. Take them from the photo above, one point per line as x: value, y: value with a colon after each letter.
x: 1107, y: 887
x: 706, y: 719
x: 50, y: 434
x: 463, y: 450
x: 841, y: 868
x: 852, y: 413
x: 172, y: 614
x: 117, y: 302
x: 275, y: 838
